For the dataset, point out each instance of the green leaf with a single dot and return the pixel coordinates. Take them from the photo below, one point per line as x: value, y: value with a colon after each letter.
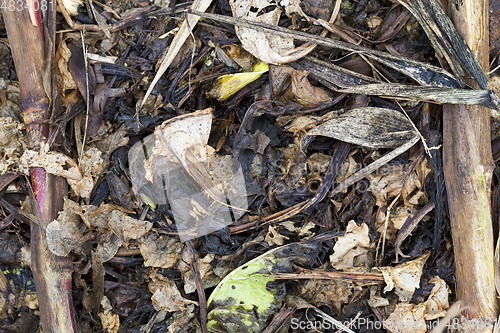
x: 246, y: 298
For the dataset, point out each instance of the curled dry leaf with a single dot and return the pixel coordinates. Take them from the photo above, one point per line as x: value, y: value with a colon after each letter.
x: 61, y: 165
x: 404, y: 278
x: 412, y: 317
x: 63, y: 234
x: 270, y: 48
x: 396, y: 179
x: 353, y: 243
x: 437, y: 303
x: 182, y: 139
x: 126, y: 227
x: 166, y: 296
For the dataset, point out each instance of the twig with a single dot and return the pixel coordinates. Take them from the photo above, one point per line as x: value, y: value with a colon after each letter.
x: 199, y: 287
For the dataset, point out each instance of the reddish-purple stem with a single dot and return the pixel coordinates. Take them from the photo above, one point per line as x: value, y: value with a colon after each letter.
x: 38, y: 176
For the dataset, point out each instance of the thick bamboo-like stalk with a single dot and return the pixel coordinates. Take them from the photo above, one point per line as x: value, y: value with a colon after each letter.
x: 468, y: 166
x: 52, y: 274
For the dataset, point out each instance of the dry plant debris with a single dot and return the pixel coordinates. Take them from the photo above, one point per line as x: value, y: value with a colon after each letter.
x: 324, y: 152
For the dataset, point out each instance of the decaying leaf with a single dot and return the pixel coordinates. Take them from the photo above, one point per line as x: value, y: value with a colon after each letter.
x: 407, y: 318
x: 160, y: 251
x: 64, y: 77
x: 110, y: 321
x: 238, y: 54
x: 182, y: 321
x: 61, y: 165
x: 227, y: 85
x: 113, y: 141
x: 303, y: 123
x: 269, y: 48
x: 126, y: 227
x: 307, y: 94
x: 411, y: 317
x: 368, y: 126
x: 91, y: 163
x: 63, y: 234
x: 303, y: 231
x: 207, y: 275
x: 437, y: 303
x: 327, y: 292
x: 166, y: 296
x: 399, y: 179
x: 12, y: 143
x: 446, y: 39
x: 273, y: 237
x: 247, y: 298
x: 404, y: 278
x: 353, y: 243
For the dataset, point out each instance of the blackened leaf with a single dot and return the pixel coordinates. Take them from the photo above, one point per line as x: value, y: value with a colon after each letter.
x: 368, y: 126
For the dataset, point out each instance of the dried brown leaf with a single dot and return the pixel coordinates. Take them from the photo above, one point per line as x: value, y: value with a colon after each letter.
x: 404, y: 278
x: 353, y: 243
x: 166, y: 296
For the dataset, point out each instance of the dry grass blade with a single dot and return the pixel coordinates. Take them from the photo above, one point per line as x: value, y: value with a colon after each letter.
x: 355, y: 83
x: 424, y: 74
x: 446, y: 39
x: 430, y: 94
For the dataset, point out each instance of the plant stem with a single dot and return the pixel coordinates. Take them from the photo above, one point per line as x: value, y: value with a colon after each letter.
x: 52, y: 274
x: 468, y: 167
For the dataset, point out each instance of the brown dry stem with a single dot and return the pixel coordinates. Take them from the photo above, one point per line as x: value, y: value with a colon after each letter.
x: 468, y: 167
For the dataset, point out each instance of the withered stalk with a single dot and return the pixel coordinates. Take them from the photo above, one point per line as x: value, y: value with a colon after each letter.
x: 468, y: 167
x: 30, y: 50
